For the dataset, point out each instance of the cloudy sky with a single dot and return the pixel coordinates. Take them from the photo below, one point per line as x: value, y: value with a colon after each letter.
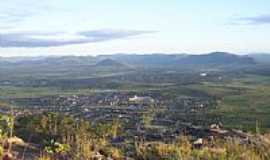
x: 92, y: 27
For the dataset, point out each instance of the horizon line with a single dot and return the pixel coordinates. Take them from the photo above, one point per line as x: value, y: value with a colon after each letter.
x: 132, y: 53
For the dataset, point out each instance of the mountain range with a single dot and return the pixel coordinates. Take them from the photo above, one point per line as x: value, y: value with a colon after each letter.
x: 210, y: 59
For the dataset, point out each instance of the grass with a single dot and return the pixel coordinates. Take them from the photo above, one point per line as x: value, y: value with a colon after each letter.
x: 31, y: 92
x: 182, y: 149
x: 243, y: 101
x: 27, y: 92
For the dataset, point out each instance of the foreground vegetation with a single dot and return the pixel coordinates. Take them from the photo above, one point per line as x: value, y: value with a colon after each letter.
x: 57, y: 137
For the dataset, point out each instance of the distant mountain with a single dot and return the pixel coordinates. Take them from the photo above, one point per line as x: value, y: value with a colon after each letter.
x: 149, y: 59
x: 216, y: 58
x: 50, y: 60
x: 134, y: 60
x: 109, y: 63
x: 70, y: 60
x: 261, y: 57
x: 21, y: 59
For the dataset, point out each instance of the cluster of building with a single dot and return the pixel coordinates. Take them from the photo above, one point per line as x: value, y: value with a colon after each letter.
x: 129, y: 107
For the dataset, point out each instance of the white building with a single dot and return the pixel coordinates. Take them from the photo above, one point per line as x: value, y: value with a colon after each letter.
x: 141, y: 100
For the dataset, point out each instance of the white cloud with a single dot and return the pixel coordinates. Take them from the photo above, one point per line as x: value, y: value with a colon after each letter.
x: 55, y: 39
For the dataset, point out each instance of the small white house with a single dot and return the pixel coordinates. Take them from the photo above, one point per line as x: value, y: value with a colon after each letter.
x: 203, y: 74
x: 141, y: 100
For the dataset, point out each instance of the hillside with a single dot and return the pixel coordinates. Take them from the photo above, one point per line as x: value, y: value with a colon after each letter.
x: 109, y: 63
x: 150, y: 59
x: 217, y: 58
x: 261, y: 57
x: 153, y: 60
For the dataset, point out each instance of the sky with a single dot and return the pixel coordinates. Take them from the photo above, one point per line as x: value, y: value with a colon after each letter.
x: 93, y: 27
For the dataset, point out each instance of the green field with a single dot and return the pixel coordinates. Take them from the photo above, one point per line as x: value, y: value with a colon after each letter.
x: 244, y: 102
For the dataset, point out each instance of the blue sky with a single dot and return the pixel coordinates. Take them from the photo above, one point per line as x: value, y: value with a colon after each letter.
x: 92, y: 27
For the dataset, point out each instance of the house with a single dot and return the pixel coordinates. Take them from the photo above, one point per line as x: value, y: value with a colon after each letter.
x: 141, y: 100
x: 203, y: 74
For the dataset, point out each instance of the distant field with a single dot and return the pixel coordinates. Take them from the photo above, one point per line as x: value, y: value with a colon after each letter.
x: 244, y: 102
x: 26, y: 92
